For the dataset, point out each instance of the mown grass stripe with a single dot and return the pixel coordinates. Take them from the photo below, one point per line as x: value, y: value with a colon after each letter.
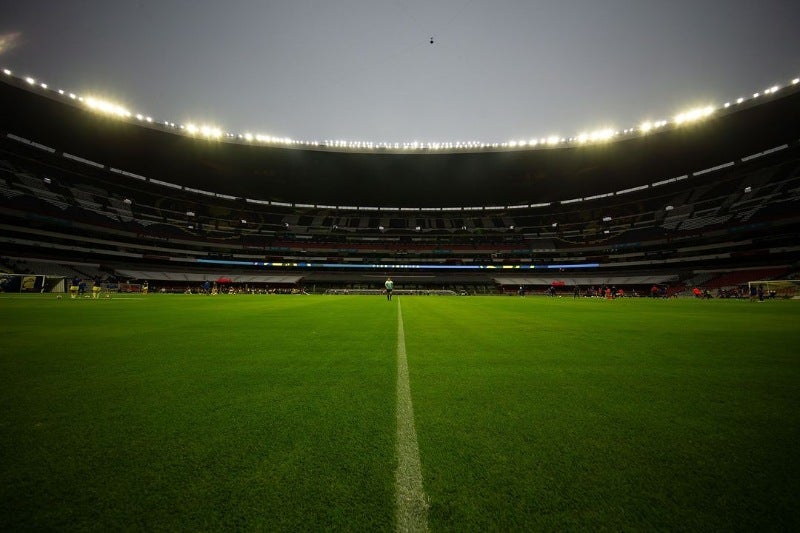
x: 411, y: 503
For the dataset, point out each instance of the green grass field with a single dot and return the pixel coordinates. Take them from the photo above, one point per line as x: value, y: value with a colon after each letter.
x: 278, y: 413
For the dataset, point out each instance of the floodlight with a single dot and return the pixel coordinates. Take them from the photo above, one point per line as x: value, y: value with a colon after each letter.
x: 739, y: 100
x: 694, y: 114
x: 30, y: 81
x: 61, y: 91
x: 43, y: 85
x: 107, y: 107
x: 795, y: 81
x: 553, y: 139
x: 602, y: 135
x: 6, y: 72
x: 191, y: 128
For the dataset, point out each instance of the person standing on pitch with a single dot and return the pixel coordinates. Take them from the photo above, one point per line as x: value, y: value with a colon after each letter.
x: 389, y: 288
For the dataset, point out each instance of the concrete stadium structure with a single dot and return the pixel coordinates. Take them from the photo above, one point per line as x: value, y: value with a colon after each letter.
x: 133, y: 199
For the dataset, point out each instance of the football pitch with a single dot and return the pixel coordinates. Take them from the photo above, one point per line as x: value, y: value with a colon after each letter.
x: 273, y: 412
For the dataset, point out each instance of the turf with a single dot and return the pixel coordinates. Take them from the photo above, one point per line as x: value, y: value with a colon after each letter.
x: 197, y: 413
x: 634, y: 414
x: 278, y: 413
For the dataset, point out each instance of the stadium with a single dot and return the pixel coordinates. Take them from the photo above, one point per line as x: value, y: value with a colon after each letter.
x: 264, y: 382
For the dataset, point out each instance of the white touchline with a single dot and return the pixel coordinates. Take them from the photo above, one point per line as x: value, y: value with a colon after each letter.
x: 411, y: 503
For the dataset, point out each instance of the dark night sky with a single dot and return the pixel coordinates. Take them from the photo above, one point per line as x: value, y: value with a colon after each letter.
x: 365, y: 70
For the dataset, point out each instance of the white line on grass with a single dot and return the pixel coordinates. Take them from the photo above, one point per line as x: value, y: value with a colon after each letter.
x: 411, y: 504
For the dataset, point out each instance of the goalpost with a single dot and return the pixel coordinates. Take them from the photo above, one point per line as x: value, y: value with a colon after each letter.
x: 783, y: 288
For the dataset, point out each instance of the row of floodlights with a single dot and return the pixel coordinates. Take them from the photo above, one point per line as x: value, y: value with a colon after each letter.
x: 214, y: 132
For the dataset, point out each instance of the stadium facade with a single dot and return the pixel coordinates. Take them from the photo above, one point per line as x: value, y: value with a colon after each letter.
x: 107, y: 196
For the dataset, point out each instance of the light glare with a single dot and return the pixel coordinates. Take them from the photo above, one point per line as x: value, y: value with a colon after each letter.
x: 693, y: 114
x: 105, y: 106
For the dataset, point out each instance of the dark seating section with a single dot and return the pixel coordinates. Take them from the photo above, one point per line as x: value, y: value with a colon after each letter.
x: 57, y: 207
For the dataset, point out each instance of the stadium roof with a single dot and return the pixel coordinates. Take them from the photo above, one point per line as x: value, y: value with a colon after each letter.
x: 309, y: 175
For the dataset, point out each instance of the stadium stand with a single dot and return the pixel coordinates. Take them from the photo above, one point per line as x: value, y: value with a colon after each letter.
x: 593, y: 219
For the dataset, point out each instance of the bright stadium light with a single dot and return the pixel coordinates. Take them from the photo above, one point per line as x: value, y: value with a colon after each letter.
x: 107, y: 107
x: 213, y: 132
x: 693, y: 114
x: 601, y: 135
